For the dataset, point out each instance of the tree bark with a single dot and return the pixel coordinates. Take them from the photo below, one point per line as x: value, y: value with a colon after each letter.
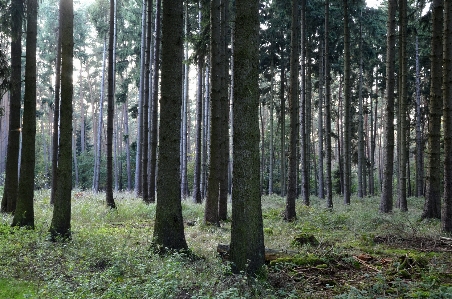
x: 60, y: 227
x: 328, y: 133
x: 169, y: 226
x: 24, y: 214
x: 247, y: 238
x: 432, y: 205
x: 290, y: 213
x: 12, y: 158
x: 386, y: 201
x: 446, y: 212
x: 347, y: 107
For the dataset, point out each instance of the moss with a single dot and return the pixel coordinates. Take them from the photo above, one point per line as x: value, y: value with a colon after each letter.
x: 308, y: 260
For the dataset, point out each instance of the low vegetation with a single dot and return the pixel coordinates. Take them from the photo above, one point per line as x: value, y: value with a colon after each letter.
x: 351, y: 252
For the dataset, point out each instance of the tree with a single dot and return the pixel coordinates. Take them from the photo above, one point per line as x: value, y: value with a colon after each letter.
x: 402, y: 97
x: 60, y: 226
x: 290, y: 213
x: 169, y: 226
x: 329, y: 185
x: 110, y: 106
x: 386, y: 195
x: 247, y: 237
x: 432, y: 205
x: 24, y: 214
x: 347, y: 106
x: 12, y: 156
x: 304, y: 117
x: 213, y: 184
x: 56, y: 113
x: 446, y: 212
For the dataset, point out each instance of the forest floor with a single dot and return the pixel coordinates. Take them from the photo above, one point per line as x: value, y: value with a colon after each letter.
x: 350, y: 252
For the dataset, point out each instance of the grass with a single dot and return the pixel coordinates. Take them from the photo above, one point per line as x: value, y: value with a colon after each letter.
x: 109, y: 255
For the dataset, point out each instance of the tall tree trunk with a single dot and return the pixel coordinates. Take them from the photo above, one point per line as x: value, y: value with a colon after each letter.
x: 146, y: 101
x: 446, y: 213
x: 329, y: 184
x: 290, y: 213
x: 304, y: 120
x: 271, y: 153
x: 247, y: 238
x: 347, y: 107
x: 386, y: 202
x: 211, y: 208
x: 169, y: 226
x: 361, y: 155
x: 139, y: 155
x: 432, y: 205
x: 110, y: 107
x: 419, y: 150
x: 197, y: 172
x: 320, y: 123
x: 74, y: 156
x: 224, y: 145
x: 154, y: 106
x: 184, y: 133
x: 98, y: 157
x: 283, y: 129
x: 127, y: 143
x: 12, y: 158
x: 402, y: 194
x: 60, y: 227
x: 56, y: 114
x: 24, y: 214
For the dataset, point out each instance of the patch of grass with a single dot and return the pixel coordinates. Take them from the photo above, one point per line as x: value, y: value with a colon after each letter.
x: 110, y: 253
x: 16, y: 289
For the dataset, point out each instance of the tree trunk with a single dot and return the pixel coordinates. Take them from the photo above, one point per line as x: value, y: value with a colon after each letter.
x: 97, y: 159
x: 213, y: 184
x: 12, y: 158
x: 127, y: 143
x: 347, y: 107
x: 60, y: 227
x: 184, y: 133
x: 386, y: 202
x: 304, y: 120
x: 197, y: 172
x: 283, y: 130
x: 329, y: 184
x: 24, y: 214
x: 419, y: 149
x: 361, y: 155
x: 446, y: 213
x: 56, y: 114
x: 154, y: 106
x: 110, y: 107
x: 432, y: 205
x: 290, y: 213
x: 139, y: 155
x: 320, y: 124
x: 247, y: 239
x: 169, y: 226
x: 402, y: 194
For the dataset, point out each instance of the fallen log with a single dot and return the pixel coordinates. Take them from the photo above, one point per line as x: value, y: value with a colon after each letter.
x: 270, y: 254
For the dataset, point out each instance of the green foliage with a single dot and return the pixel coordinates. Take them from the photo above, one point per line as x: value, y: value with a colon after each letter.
x: 109, y: 255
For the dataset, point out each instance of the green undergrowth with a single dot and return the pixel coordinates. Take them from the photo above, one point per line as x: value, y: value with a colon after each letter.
x: 110, y: 254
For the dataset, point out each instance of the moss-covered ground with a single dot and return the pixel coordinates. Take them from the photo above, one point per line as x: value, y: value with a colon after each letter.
x: 353, y: 252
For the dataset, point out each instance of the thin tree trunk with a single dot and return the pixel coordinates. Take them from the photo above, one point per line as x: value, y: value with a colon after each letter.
x: 386, y: 202
x: 304, y: 120
x: 98, y: 156
x: 347, y: 107
x: 329, y: 184
x: 56, y: 113
x: 154, y: 106
x: 127, y: 142
x: 197, y: 172
x: 283, y: 129
x: 320, y: 124
x: 271, y: 154
x: 139, y: 155
x: 110, y: 106
x: 184, y: 133
x: 361, y: 155
x: 419, y: 166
